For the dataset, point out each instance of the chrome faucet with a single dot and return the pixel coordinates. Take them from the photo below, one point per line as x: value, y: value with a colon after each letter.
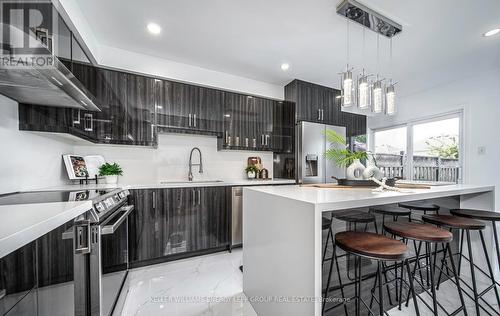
x: 200, y: 170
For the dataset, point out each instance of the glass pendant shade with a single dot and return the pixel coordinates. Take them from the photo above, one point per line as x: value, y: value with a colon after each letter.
x: 348, y: 91
x: 378, y: 101
x: 364, y: 93
x: 390, y: 99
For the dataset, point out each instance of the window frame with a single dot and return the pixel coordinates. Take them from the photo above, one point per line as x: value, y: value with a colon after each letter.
x: 409, y: 124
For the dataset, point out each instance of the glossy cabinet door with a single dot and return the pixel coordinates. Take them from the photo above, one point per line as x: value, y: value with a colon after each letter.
x: 55, y: 290
x: 168, y: 224
x: 188, y: 108
x: 207, y: 110
x: 144, y: 229
x: 18, y: 282
x: 248, y: 123
x: 140, y: 109
x: 315, y: 103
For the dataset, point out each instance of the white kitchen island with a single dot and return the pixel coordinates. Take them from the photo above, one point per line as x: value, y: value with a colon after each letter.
x: 282, y: 237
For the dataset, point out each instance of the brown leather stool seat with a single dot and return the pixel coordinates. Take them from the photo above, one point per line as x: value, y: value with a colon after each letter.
x: 371, y: 245
x: 418, y: 231
x: 390, y: 211
x: 419, y: 206
x: 451, y: 221
x: 477, y: 214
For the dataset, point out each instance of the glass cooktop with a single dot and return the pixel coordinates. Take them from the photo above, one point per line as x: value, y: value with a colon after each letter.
x: 51, y: 196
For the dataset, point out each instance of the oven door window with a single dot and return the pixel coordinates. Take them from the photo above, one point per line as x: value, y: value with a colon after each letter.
x: 114, y: 259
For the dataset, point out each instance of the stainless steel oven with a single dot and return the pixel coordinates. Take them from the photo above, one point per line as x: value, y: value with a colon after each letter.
x: 109, y: 260
x: 101, y: 261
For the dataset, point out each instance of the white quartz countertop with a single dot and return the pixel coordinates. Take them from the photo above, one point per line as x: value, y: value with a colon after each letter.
x: 167, y: 184
x: 21, y: 224
x: 343, y: 198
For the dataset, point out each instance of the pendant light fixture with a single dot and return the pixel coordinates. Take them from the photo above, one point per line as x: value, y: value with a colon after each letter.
x: 364, y: 92
x: 378, y: 95
x: 363, y: 95
x: 347, y: 85
x: 390, y: 99
x: 390, y: 93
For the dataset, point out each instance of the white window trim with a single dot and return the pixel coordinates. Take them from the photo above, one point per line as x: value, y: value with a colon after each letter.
x: 460, y: 113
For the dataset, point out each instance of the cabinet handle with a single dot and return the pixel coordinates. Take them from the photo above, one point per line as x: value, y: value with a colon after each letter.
x: 88, y: 122
x: 237, y: 141
x: 246, y: 142
x: 267, y: 140
x: 254, y: 143
x: 322, y: 114
x: 154, y: 200
x: 319, y: 115
x: 189, y: 119
x: 199, y: 197
x: 193, y: 197
x: 194, y: 120
x: 262, y: 139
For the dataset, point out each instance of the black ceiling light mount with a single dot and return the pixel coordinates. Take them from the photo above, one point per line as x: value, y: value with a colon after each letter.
x: 369, y: 18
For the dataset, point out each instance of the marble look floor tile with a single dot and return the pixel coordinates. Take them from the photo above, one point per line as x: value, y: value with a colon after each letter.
x: 206, y: 285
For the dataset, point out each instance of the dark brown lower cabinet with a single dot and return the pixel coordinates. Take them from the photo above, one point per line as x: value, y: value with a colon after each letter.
x: 173, y: 223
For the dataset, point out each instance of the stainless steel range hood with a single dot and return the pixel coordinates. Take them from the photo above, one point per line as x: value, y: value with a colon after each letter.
x: 52, y: 84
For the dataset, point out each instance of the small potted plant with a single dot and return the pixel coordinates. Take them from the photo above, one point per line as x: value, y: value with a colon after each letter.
x: 252, y: 171
x: 110, y: 172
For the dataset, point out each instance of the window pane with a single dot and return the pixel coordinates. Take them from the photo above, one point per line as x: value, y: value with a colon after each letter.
x: 436, y: 147
x: 390, y: 152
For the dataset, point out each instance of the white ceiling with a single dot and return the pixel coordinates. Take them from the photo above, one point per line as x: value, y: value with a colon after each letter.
x: 441, y: 40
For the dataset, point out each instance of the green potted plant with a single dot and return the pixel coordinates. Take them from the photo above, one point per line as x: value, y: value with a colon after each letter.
x: 252, y: 171
x: 110, y: 171
x: 343, y: 157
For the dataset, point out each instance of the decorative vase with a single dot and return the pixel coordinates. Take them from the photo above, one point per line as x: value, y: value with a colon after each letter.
x: 355, y: 170
x: 111, y: 179
x: 251, y: 174
x: 372, y: 171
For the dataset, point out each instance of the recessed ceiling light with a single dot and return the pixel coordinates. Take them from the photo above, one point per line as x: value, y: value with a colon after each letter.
x: 154, y: 28
x: 285, y: 66
x: 491, y: 32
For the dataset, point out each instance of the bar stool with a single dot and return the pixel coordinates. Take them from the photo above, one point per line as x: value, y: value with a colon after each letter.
x: 355, y: 217
x: 421, y: 207
x: 425, y: 207
x: 394, y: 212
x: 489, y: 216
x: 374, y: 247
x: 326, y: 224
x: 467, y: 225
x: 431, y: 236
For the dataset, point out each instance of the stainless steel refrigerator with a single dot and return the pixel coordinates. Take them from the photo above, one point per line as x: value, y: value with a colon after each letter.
x: 311, y: 164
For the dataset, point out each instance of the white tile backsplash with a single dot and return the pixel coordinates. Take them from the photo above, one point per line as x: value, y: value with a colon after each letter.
x: 170, y: 160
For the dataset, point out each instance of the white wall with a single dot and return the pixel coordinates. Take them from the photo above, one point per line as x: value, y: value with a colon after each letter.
x: 170, y: 160
x: 480, y: 98
x: 123, y: 59
x: 27, y: 160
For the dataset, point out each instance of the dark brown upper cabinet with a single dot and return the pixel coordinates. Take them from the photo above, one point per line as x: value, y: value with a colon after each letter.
x: 248, y: 123
x: 187, y: 108
x: 320, y: 104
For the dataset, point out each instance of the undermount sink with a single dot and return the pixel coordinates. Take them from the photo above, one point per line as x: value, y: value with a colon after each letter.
x: 194, y: 181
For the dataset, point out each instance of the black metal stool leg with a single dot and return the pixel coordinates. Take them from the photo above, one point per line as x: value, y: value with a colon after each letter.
x: 357, y: 285
x: 461, y: 251
x: 380, y: 292
x: 472, y: 272
x: 328, y: 281
x: 431, y: 272
x: 457, y: 279
x: 412, y: 289
x: 326, y: 246
x: 497, y: 245
x: 492, y: 275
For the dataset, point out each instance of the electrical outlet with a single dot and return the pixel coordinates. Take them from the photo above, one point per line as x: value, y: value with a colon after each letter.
x: 481, y: 150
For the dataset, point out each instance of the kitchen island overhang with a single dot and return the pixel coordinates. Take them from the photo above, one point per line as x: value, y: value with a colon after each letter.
x: 282, y: 237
